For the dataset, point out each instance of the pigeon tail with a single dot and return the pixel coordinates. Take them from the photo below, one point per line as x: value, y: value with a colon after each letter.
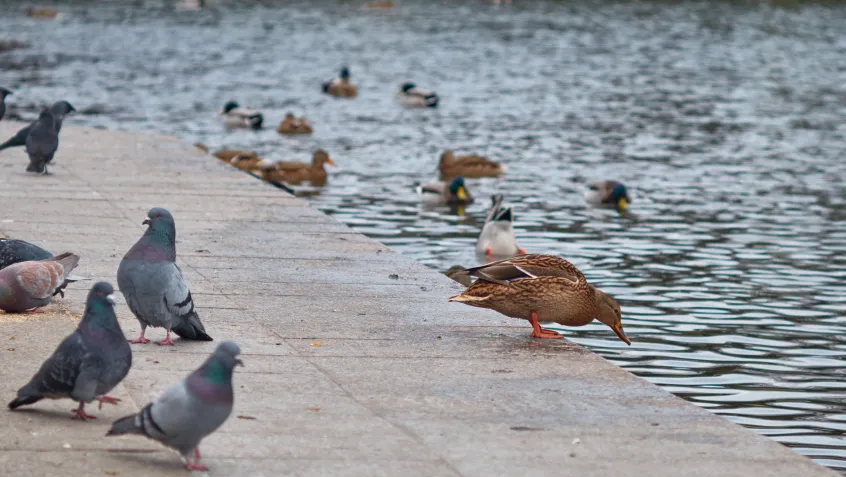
x: 67, y: 260
x: 125, y: 425
x: 190, y: 328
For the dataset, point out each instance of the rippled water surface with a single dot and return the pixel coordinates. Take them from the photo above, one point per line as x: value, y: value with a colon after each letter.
x: 725, y: 120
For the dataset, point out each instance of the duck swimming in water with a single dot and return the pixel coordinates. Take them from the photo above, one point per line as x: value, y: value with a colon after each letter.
x: 412, y: 96
x: 234, y: 116
x: 608, y: 193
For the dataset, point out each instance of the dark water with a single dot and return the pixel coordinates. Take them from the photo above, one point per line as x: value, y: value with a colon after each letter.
x: 725, y: 120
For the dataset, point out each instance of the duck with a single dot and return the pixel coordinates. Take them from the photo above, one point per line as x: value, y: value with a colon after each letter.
x: 340, y: 86
x: 40, y: 12
x: 297, y: 172
x: 454, y: 192
x: 541, y: 288
x: 294, y: 125
x: 234, y: 116
x: 471, y: 166
x: 379, y: 5
x: 244, y: 160
x: 412, y: 96
x: 457, y: 273
x: 497, y: 237
x: 608, y: 193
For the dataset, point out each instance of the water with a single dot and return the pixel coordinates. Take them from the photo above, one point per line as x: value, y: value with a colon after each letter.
x: 723, y: 119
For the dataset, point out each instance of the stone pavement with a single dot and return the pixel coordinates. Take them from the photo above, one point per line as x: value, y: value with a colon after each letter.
x: 356, y: 365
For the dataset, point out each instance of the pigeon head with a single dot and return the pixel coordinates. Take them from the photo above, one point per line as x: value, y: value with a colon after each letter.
x: 229, y: 353
x: 160, y: 223
x: 99, y: 308
x: 4, y: 92
x: 61, y: 108
x: 345, y: 73
x: 229, y: 106
x: 407, y: 86
x: 45, y: 115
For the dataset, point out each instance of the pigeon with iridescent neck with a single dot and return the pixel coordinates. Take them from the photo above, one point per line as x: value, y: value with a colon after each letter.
x: 190, y: 410
x: 27, y: 286
x: 60, y: 109
x: 153, y: 286
x: 87, y: 364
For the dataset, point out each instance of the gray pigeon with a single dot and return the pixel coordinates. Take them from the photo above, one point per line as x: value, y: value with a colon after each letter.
x: 60, y: 109
x: 153, y: 285
x: 14, y: 251
x: 42, y: 142
x: 87, y: 364
x: 3, y: 93
x: 190, y: 410
x: 30, y: 285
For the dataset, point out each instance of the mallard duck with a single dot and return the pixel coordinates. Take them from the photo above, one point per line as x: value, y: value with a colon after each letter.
x: 541, y: 288
x: 294, y: 125
x: 341, y: 85
x: 446, y: 193
x: 234, y: 116
x: 37, y: 12
x: 412, y: 96
x: 244, y: 160
x: 457, y: 273
x: 497, y: 237
x: 611, y: 193
x: 298, y: 172
x: 471, y: 166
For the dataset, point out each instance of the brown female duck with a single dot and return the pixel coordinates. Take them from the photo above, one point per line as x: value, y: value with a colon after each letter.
x: 541, y: 288
x: 298, y: 172
x: 294, y: 125
x: 471, y: 166
x: 244, y: 160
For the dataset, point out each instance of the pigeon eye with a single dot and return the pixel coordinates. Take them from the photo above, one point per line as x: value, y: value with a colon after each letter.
x: 158, y: 215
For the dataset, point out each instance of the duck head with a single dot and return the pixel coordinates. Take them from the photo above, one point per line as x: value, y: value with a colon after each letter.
x: 345, y: 73
x: 406, y: 87
x: 610, y: 314
x: 229, y: 107
x: 321, y: 157
x: 619, y: 196
x: 458, y: 189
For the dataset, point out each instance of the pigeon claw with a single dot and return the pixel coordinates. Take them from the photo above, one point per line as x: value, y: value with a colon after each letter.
x: 195, y: 465
x: 140, y: 340
x: 165, y: 342
x: 80, y: 414
x: 106, y: 400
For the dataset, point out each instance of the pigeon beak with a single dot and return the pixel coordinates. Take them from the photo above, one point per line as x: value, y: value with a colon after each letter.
x: 239, y: 362
x: 146, y: 222
x: 111, y: 298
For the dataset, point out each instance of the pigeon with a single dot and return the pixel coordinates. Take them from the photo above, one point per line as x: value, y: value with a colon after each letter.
x: 190, y: 410
x: 60, y: 109
x: 30, y: 285
x: 153, y: 285
x: 87, y: 364
x: 15, y: 251
x: 3, y: 93
x: 42, y: 142
x: 497, y: 238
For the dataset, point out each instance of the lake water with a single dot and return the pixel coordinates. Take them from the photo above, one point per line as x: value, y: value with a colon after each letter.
x: 724, y: 119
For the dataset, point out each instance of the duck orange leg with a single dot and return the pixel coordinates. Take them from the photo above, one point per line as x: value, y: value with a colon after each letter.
x: 538, y: 332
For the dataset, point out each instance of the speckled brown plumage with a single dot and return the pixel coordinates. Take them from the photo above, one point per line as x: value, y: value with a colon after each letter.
x: 470, y: 166
x: 298, y: 172
x: 539, y: 288
x: 294, y: 125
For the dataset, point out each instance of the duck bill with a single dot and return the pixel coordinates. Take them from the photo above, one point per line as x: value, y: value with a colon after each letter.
x: 619, y: 330
x: 331, y: 162
x: 622, y: 204
x: 461, y: 193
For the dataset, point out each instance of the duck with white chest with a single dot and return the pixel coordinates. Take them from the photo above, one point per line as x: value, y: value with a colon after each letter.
x: 412, y: 96
x: 234, y: 116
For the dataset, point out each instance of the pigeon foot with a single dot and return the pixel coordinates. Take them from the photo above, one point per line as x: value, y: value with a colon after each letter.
x: 106, y: 400
x: 79, y: 413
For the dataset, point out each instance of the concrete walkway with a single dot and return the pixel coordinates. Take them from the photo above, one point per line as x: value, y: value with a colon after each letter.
x: 356, y: 365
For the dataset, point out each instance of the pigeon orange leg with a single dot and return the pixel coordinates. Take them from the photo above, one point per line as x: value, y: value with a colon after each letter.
x: 106, y: 400
x: 196, y: 464
x: 37, y: 309
x: 140, y: 339
x: 79, y: 413
x: 166, y: 341
x: 538, y: 332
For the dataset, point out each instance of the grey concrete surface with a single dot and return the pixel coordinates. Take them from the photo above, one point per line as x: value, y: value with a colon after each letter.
x: 349, y: 372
